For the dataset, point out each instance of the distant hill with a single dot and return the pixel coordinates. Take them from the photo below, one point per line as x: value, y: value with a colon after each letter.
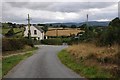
x: 91, y: 23
x: 96, y: 23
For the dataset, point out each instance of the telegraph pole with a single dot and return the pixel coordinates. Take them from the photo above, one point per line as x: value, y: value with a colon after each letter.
x: 87, y: 16
x: 29, y: 32
x: 87, y: 21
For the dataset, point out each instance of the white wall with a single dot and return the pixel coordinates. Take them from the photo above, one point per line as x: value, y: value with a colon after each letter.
x: 32, y: 28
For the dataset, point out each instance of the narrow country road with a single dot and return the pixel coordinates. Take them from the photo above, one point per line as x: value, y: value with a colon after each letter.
x: 43, y: 64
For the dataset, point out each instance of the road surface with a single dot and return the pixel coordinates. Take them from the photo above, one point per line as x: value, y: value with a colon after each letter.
x: 43, y: 64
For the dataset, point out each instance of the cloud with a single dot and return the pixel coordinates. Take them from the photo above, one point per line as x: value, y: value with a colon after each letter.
x: 60, y: 0
x: 60, y: 6
x: 42, y: 12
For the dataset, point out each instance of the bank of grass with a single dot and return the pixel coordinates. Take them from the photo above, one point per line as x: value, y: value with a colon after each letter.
x: 9, y: 62
x: 80, y: 68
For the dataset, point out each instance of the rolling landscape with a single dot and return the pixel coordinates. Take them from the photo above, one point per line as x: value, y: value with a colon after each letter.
x: 79, y: 40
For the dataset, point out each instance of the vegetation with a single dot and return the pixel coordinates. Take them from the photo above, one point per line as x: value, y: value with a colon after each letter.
x: 111, y: 36
x: 11, y: 25
x: 97, y: 53
x: 10, y: 33
x: 55, y: 41
x: 73, y: 26
x: 63, y: 26
x: 45, y: 28
x: 78, y: 66
x: 104, y: 57
x: 102, y: 36
x: 9, y: 62
x: 12, y: 44
x: 17, y: 32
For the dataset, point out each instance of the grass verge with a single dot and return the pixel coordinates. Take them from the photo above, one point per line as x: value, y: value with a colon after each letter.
x: 80, y: 68
x: 9, y: 62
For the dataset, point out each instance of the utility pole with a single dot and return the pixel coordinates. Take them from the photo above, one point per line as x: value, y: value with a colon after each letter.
x: 87, y: 20
x: 87, y: 16
x: 29, y: 32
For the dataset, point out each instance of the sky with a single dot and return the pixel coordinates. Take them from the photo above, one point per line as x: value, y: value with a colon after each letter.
x: 58, y: 11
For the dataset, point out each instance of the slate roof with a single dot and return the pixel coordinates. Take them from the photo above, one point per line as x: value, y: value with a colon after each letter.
x: 39, y: 28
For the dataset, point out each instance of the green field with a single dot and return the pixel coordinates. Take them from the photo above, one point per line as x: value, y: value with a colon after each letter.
x: 5, y: 30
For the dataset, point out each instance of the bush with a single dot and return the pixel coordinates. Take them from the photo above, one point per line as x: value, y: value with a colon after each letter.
x: 12, y: 44
x: 27, y: 41
x: 54, y: 41
x: 111, y: 34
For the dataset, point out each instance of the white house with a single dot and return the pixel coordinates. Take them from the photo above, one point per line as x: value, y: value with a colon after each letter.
x: 36, y: 32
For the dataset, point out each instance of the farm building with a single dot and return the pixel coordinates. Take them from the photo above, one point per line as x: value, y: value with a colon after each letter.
x: 36, y: 32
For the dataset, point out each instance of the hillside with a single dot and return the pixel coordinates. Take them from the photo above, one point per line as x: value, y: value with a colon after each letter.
x: 91, y: 23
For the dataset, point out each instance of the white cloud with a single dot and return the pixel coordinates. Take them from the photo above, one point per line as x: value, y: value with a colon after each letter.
x: 60, y: 0
x: 58, y: 12
x: 102, y: 20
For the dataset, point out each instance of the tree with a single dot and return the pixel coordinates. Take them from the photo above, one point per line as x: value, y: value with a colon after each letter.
x: 73, y: 26
x: 41, y: 24
x: 115, y: 22
x: 14, y: 25
x: 9, y: 24
x: 63, y: 26
x: 50, y: 24
x: 45, y: 28
x: 83, y: 26
x: 112, y: 34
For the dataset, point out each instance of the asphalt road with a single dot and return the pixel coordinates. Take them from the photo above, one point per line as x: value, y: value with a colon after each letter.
x: 43, y: 64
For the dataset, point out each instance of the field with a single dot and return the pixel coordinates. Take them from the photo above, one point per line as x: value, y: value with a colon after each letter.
x: 103, y: 59
x: 5, y: 30
x: 50, y: 32
x: 62, y: 32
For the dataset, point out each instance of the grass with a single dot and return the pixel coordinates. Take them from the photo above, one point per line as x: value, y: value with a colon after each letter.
x: 5, y: 30
x: 9, y: 62
x: 80, y: 68
x: 62, y: 32
x: 0, y: 68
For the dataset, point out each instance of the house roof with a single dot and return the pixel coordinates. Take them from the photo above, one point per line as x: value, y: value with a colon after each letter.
x: 39, y: 28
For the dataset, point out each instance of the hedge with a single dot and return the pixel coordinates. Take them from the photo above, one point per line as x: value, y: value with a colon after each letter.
x: 54, y: 41
x: 12, y: 44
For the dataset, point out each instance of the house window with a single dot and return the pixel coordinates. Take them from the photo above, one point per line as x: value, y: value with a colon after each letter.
x: 35, y: 32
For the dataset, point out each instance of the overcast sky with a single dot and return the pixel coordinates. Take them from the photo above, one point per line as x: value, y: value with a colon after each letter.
x: 53, y: 12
